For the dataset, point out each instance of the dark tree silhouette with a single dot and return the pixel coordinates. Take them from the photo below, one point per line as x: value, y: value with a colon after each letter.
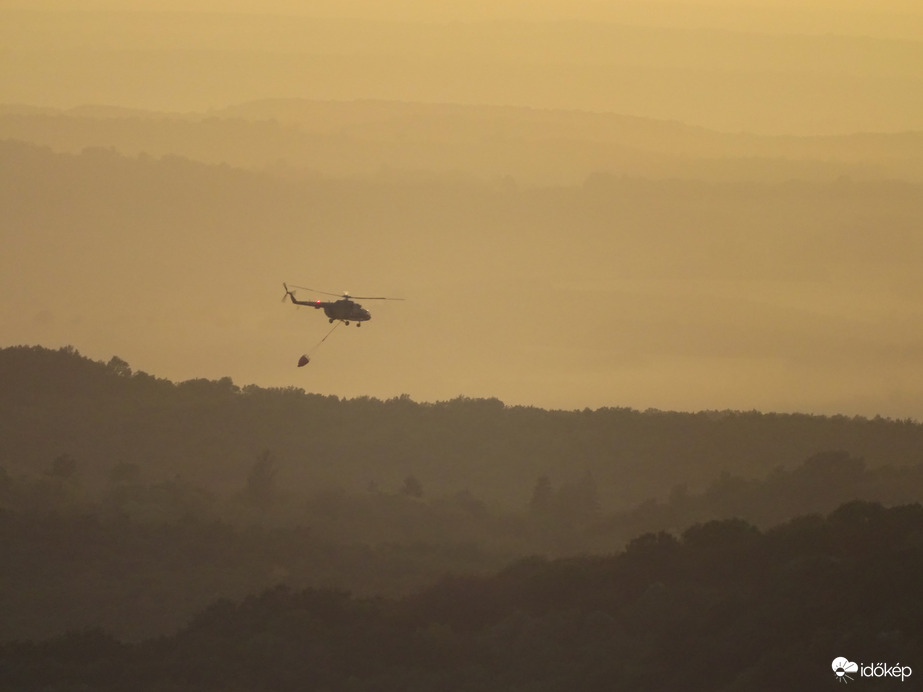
x: 261, y: 481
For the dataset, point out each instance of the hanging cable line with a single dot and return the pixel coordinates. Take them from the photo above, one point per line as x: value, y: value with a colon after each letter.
x: 306, y: 358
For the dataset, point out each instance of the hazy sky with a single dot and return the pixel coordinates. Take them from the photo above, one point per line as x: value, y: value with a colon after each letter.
x: 803, y: 298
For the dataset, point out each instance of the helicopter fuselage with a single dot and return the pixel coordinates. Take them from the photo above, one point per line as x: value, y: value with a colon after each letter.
x: 343, y: 309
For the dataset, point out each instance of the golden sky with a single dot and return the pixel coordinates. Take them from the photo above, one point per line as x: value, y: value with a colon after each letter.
x: 679, y: 205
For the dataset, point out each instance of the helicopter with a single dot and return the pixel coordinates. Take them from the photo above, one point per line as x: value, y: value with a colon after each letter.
x: 345, y: 309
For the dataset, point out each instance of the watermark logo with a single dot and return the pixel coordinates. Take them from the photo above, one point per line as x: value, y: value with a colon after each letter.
x: 847, y: 671
x: 843, y: 668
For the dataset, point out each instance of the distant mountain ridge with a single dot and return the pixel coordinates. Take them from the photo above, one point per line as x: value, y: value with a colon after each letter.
x: 532, y: 146
x: 838, y: 71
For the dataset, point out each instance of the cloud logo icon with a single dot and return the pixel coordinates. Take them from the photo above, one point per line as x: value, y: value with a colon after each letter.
x: 843, y: 666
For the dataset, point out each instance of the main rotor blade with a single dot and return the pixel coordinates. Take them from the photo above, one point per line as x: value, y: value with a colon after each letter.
x: 340, y: 295
x: 373, y: 298
x: 344, y: 295
x: 314, y: 290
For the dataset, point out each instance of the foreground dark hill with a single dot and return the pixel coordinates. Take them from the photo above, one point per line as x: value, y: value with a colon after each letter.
x: 103, y: 417
x: 210, y: 432
x: 725, y: 608
x: 145, y: 557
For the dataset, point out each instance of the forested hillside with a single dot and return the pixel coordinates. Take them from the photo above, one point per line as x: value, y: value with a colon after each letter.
x: 211, y: 433
x: 130, y: 502
x: 724, y: 607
